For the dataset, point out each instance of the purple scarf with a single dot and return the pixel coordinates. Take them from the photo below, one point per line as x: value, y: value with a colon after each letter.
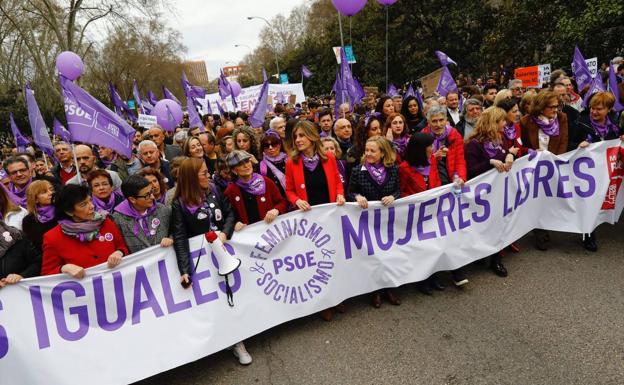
x: 423, y: 170
x: 107, y: 163
x: 603, y: 129
x: 267, y: 162
x: 255, y: 186
x: 510, y: 131
x: 162, y: 199
x: 84, y: 231
x: 401, y: 144
x: 492, y: 148
x: 310, y: 163
x: 140, y: 221
x: 107, y: 205
x: 19, y: 194
x: 276, y: 159
x: 377, y: 171
x: 550, y: 128
x: 44, y: 214
x: 438, y: 141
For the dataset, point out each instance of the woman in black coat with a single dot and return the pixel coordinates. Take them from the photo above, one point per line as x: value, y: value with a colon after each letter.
x: 18, y: 257
x: 41, y: 216
x: 376, y: 179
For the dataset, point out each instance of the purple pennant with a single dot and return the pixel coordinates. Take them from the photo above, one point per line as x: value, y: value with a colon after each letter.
x: 444, y: 59
x: 90, y: 121
x: 345, y: 86
x: 61, y: 131
x: 40, y: 133
x: 392, y: 90
x: 137, y: 96
x: 419, y: 99
x: 151, y: 98
x: 194, y: 91
x: 595, y: 86
x: 410, y: 92
x: 224, y: 86
x: 120, y: 106
x: 305, y: 72
x: 581, y: 70
x: 613, y: 87
x: 194, y: 118
x: 256, y: 119
x: 360, y: 93
x: 222, y: 112
x: 446, y: 83
x: 20, y: 141
x: 168, y: 95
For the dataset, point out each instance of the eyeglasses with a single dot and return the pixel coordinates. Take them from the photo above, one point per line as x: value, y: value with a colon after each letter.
x: 149, y: 194
x: 553, y: 106
x: 270, y: 144
x: 20, y: 171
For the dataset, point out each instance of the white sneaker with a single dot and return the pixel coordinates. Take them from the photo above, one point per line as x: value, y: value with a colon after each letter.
x: 244, y: 358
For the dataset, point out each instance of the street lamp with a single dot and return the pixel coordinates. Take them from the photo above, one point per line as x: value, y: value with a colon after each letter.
x: 274, y: 49
x: 250, y: 53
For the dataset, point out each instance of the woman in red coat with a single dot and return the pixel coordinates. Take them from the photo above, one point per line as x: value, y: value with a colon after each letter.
x: 312, y: 177
x: 254, y: 197
x: 83, y: 238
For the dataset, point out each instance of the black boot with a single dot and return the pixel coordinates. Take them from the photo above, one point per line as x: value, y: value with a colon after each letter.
x: 497, y: 266
x: 424, y: 287
x: 589, y: 242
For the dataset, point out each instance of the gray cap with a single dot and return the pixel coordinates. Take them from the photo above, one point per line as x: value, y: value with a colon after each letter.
x: 235, y: 157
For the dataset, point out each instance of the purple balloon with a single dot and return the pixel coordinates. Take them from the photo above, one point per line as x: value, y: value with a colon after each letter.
x: 386, y: 2
x: 236, y: 88
x: 349, y: 7
x: 165, y: 119
x: 69, y: 65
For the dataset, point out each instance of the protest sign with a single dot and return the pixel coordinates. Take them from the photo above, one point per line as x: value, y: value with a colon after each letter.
x: 249, y: 96
x: 129, y: 323
x: 147, y: 121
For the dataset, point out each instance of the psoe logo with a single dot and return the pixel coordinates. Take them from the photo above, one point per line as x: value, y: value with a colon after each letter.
x: 294, y: 261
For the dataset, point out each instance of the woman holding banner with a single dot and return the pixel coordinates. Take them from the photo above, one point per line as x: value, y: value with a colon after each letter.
x: 594, y: 126
x: 312, y: 177
x: 376, y: 178
x: 545, y: 129
x: 484, y: 151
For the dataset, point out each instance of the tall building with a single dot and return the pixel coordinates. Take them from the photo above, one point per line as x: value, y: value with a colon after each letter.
x: 232, y: 72
x: 197, y: 72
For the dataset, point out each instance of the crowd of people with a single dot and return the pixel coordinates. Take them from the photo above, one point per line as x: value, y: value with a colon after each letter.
x: 90, y: 205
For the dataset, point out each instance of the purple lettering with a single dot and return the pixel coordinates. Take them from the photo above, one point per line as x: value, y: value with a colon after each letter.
x: 463, y: 206
x: 79, y: 311
x: 591, y: 182
x: 41, y: 327
x: 363, y: 234
x: 525, y: 184
x: 141, y: 284
x: 506, y: 210
x: 200, y: 297
x: 172, y: 306
x: 543, y: 179
x: 487, y: 188
x: 446, y: 213
x: 4, y: 339
x: 422, y: 218
x: 100, y: 302
x: 562, y: 178
x: 377, y: 223
x: 408, y: 227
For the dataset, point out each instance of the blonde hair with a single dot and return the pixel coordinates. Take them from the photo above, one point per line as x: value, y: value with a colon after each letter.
x: 37, y: 187
x: 502, y: 95
x: 387, y: 150
x: 336, y: 145
x: 310, y: 132
x: 486, y: 129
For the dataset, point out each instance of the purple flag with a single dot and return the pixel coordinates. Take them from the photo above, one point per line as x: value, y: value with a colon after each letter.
x: 446, y: 83
x: 61, y: 131
x: 208, y: 107
x: 595, y: 86
x: 444, y: 59
x: 392, y: 91
x: 194, y: 91
x: 224, y: 86
x: 233, y: 97
x: 613, y: 87
x: 194, y: 118
x: 147, y: 106
x: 220, y: 107
x: 40, y: 133
x: 151, y: 98
x: 120, y: 106
x: 137, y: 96
x: 419, y: 99
x: 171, y: 119
x: 168, y: 95
x: 359, y: 90
x: 345, y: 86
x: 90, y: 121
x: 20, y: 141
x: 305, y: 72
x: 410, y: 92
x: 256, y: 119
x: 581, y: 71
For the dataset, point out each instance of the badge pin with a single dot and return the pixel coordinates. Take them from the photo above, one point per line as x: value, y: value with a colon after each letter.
x: 218, y: 215
x: 302, y: 185
x: 108, y: 236
x: 202, y: 216
x: 237, y: 199
x: 262, y: 199
x: 155, y: 222
x: 212, y: 205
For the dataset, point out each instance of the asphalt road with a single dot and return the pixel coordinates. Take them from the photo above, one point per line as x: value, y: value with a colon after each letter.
x: 557, y: 319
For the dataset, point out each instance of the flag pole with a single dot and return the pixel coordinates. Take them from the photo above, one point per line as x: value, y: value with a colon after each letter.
x: 76, y: 164
x: 386, y: 47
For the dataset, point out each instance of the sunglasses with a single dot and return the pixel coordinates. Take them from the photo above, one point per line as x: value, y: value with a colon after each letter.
x: 270, y: 144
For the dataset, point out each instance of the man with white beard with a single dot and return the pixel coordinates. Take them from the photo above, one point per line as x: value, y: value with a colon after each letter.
x: 470, y: 114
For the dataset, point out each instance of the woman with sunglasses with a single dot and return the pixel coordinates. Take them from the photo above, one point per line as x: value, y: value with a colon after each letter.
x: 273, y: 163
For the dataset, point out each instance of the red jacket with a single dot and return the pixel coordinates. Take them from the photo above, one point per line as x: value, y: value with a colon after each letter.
x: 60, y: 249
x: 517, y: 142
x: 295, y: 181
x: 455, y: 162
x: 272, y: 199
x: 412, y: 182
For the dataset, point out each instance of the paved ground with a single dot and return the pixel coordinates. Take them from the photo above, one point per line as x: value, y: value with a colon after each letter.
x: 557, y: 319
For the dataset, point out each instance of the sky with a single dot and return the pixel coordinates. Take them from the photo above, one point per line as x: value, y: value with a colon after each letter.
x: 211, y: 28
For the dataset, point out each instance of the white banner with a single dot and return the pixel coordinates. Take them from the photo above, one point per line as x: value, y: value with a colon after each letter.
x: 122, y: 325
x: 249, y: 96
x: 543, y: 71
x: 592, y: 65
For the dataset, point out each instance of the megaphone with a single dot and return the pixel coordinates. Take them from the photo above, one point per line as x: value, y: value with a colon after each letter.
x: 227, y: 262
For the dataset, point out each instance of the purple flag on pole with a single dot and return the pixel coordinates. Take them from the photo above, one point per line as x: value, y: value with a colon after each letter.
x: 137, y: 96
x: 151, y: 98
x: 120, y: 106
x: 208, y: 107
x: 233, y: 97
x: 40, y: 133
x: 446, y: 83
x: 90, y: 121
x: 360, y: 93
x: 392, y: 91
x: 189, y: 89
x: 20, y: 141
x: 613, y: 87
x: 168, y: 95
x: 419, y: 99
x: 595, y: 86
x: 220, y: 107
x: 305, y: 72
x: 194, y: 118
x: 444, y: 59
x: 61, y: 131
x: 224, y: 86
x: 581, y: 70
x: 410, y: 92
x: 256, y: 119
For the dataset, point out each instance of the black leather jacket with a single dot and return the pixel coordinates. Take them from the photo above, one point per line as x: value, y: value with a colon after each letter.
x: 583, y: 129
x: 21, y: 258
x: 186, y: 225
